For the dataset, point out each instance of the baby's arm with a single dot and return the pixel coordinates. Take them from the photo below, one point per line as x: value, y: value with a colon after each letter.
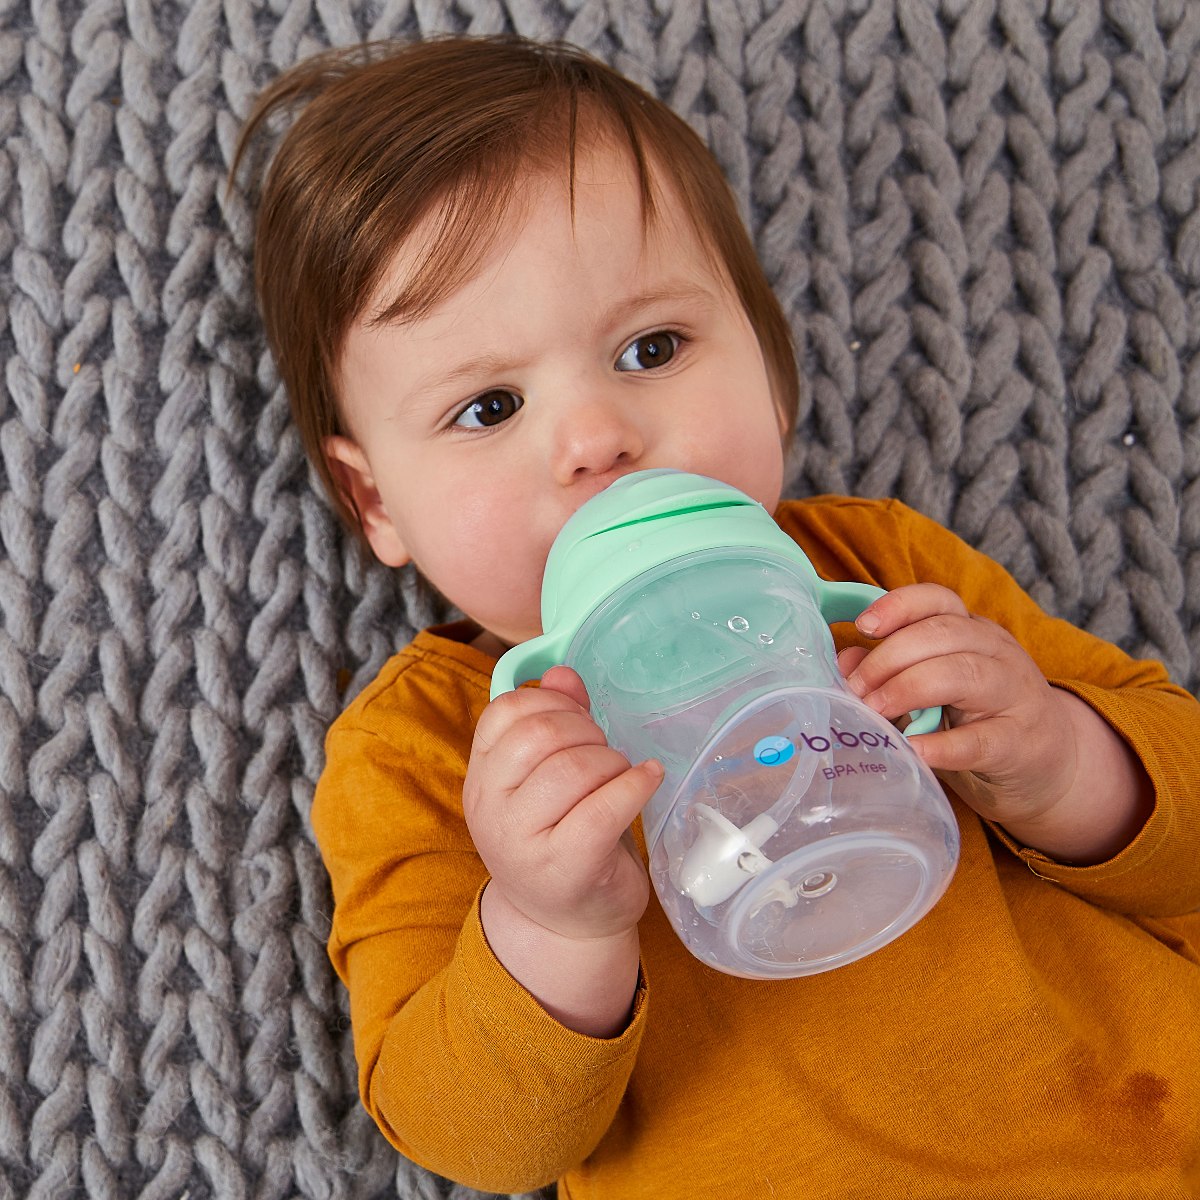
x: 458, y: 1063
x: 549, y: 805
x: 1031, y: 757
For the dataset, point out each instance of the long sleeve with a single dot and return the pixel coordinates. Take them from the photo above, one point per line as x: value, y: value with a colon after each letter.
x: 458, y: 1064
x: 1158, y: 874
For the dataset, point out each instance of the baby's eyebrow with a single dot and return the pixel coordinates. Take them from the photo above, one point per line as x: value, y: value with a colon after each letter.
x: 470, y: 368
x: 684, y: 292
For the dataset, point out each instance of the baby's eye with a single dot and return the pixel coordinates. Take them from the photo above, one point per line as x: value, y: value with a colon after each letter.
x: 653, y: 350
x: 489, y: 409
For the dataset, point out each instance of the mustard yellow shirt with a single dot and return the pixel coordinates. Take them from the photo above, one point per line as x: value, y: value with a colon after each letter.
x: 1036, y: 1035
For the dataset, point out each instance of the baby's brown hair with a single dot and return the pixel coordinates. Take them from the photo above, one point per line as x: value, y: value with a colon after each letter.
x: 385, y: 136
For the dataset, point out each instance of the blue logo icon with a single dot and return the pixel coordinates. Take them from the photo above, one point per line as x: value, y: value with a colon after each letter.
x: 773, y: 751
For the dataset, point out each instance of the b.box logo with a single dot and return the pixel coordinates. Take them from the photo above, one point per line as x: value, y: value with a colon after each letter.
x: 865, y: 739
x: 775, y: 750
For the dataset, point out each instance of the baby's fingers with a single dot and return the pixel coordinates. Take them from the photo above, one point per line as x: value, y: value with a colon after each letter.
x: 907, y: 605
x: 509, y: 709
x: 980, y: 747
x: 594, y: 826
x: 849, y: 657
x: 543, y: 737
x: 566, y: 682
x: 971, y: 682
x: 938, y: 652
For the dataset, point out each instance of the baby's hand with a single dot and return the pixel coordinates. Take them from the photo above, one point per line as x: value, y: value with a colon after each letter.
x: 549, y: 804
x: 1010, y: 749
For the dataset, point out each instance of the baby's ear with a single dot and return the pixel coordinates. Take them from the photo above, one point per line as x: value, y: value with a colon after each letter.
x: 349, y: 467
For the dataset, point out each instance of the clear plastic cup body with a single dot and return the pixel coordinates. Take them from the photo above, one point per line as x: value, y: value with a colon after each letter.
x: 795, y: 830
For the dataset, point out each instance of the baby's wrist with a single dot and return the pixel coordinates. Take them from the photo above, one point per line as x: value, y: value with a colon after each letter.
x: 520, y: 922
x: 584, y: 983
x: 1106, y: 801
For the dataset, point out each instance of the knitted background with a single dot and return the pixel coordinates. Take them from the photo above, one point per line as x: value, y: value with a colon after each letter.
x: 982, y: 215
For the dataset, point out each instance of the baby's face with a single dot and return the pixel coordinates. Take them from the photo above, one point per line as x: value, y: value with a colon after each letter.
x: 577, y: 353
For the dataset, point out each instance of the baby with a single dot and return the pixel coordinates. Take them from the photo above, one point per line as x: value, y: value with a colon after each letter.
x: 496, y: 277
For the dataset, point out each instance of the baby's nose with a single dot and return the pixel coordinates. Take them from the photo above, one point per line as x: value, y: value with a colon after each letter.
x: 595, y: 437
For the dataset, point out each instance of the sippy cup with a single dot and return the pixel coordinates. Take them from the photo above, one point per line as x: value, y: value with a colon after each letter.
x: 794, y: 830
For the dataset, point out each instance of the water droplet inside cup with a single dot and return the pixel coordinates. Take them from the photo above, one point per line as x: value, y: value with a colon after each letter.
x: 738, y: 624
x: 803, y: 652
x: 765, y: 639
x: 695, y: 616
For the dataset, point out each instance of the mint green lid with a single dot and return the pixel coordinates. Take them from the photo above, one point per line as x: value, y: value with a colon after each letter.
x: 637, y: 523
x: 640, y: 521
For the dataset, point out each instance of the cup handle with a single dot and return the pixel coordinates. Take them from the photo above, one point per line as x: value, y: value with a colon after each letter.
x: 526, y: 661
x: 845, y: 602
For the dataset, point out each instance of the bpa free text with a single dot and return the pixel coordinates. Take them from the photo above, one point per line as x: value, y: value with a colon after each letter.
x: 866, y: 767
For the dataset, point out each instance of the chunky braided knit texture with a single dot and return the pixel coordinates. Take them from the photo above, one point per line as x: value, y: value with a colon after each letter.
x: 982, y: 217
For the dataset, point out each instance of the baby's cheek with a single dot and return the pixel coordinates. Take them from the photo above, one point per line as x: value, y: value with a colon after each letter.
x: 491, y: 583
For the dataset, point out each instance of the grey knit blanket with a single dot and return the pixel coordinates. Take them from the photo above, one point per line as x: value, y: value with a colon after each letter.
x: 982, y: 217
